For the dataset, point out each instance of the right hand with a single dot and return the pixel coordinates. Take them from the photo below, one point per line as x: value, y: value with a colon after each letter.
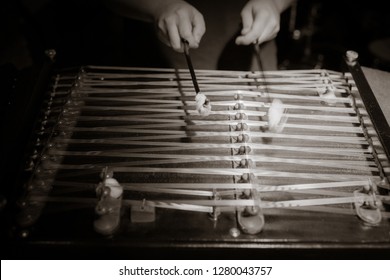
x: 179, y: 20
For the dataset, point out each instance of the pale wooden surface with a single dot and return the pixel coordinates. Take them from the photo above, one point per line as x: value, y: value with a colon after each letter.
x: 380, y: 84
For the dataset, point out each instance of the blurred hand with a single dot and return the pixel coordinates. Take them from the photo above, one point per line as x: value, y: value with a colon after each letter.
x: 177, y: 20
x: 260, y: 22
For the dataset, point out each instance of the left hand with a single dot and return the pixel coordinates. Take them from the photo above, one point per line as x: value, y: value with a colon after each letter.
x: 260, y: 22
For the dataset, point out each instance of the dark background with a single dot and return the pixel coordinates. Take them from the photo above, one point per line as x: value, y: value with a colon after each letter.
x: 86, y: 32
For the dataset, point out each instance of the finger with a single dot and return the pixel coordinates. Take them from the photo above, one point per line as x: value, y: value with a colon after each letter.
x: 248, y: 38
x: 263, y: 29
x: 247, y: 19
x: 162, y: 32
x: 198, y: 27
x: 269, y: 32
x: 268, y: 35
x: 173, y: 35
x: 162, y: 27
x: 185, y: 31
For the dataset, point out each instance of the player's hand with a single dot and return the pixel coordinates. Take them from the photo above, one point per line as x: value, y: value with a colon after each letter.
x: 260, y: 22
x: 179, y: 20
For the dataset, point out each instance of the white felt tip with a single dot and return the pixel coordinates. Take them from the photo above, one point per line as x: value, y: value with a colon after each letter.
x: 115, y: 187
x: 203, y: 105
x: 276, y: 120
x: 327, y: 95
